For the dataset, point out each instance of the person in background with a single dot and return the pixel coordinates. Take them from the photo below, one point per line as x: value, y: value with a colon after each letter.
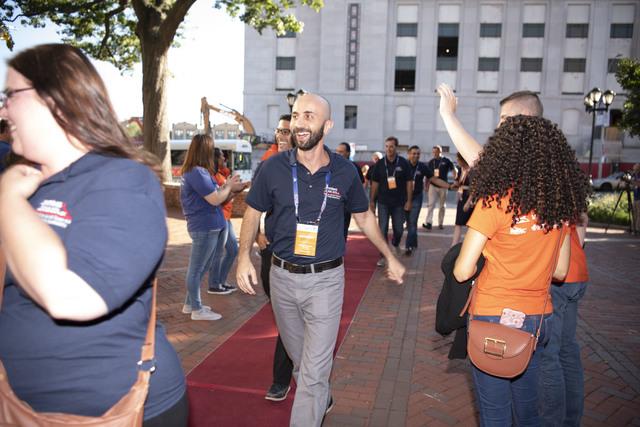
x: 344, y: 149
x: 636, y: 196
x: 83, y: 235
x: 367, y: 170
x: 201, y: 198
x: 392, y: 188
x: 519, y: 224
x: 282, y: 364
x: 440, y: 166
x: 464, y: 208
x: 227, y: 247
x: 5, y: 148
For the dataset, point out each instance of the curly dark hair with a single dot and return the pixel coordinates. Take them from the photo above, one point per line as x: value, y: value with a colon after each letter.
x: 529, y: 160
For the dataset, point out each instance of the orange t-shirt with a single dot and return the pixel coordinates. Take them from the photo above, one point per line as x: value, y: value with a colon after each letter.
x: 519, y: 262
x: 578, y: 262
x: 227, y: 207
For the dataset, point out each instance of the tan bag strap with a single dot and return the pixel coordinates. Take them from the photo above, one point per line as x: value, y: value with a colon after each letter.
x: 148, y: 348
x: 550, y: 278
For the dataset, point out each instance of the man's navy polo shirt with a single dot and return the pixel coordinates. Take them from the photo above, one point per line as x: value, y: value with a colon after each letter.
x: 5, y: 148
x: 272, y: 190
x: 443, y: 164
x: 383, y: 169
x: 419, y: 172
x: 109, y: 214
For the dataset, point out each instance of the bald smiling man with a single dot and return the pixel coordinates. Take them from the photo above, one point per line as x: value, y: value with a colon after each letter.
x: 308, y: 189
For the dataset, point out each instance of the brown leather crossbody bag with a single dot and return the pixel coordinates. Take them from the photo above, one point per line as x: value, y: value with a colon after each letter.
x: 127, y: 412
x: 500, y: 350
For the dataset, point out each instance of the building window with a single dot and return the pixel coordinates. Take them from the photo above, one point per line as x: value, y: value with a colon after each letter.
x: 621, y: 31
x: 531, y: 64
x: 231, y: 134
x: 574, y: 65
x: 403, y: 118
x: 287, y: 35
x: 350, y: 116
x: 490, y: 30
x: 353, y: 46
x: 219, y: 134
x: 533, y: 30
x: 285, y: 63
x: 577, y: 31
x: 612, y: 65
x: 447, y: 59
x: 488, y: 64
x: 405, y: 78
x: 407, y: 30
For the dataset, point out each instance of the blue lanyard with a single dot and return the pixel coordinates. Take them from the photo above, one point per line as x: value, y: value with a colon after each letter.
x: 296, y: 198
x: 386, y: 169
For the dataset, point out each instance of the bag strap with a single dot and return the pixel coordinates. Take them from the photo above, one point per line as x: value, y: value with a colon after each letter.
x: 550, y: 278
x: 148, y: 348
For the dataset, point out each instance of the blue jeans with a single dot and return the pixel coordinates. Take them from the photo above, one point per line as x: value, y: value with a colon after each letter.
x: 512, y: 401
x: 223, y: 258
x: 412, y: 222
x: 203, y: 246
x: 562, y: 376
x: 397, y: 221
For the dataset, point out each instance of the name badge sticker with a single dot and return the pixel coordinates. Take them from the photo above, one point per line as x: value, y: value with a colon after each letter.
x: 391, y: 182
x: 306, y: 240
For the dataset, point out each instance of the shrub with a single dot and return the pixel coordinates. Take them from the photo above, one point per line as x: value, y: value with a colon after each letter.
x: 601, y: 208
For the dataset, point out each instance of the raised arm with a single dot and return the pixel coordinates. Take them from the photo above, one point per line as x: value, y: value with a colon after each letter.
x: 464, y: 142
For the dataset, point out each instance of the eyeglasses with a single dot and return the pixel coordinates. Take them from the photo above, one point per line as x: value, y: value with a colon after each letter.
x: 283, y: 131
x: 5, y: 95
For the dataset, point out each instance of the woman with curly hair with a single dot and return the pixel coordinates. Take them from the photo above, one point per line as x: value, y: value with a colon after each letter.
x: 528, y: 188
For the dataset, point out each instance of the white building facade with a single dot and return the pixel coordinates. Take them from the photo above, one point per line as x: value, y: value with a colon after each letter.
x: 378, y: 63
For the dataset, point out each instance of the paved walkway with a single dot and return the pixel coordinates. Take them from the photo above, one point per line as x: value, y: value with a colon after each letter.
x: 392, y: 369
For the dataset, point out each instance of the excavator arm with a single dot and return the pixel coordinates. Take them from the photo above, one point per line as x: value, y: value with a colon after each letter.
x: 245, y: 123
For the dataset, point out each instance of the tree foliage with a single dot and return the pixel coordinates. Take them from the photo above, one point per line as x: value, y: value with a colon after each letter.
x: 628, y: 76
x: 125, y: 32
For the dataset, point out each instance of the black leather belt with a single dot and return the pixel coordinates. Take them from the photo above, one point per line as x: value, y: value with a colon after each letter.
x: 307, y: 268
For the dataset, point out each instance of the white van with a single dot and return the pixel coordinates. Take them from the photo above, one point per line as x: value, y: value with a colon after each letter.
x: 236, y: 151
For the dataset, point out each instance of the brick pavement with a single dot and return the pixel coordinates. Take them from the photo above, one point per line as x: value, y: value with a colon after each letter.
x: 392, y: 368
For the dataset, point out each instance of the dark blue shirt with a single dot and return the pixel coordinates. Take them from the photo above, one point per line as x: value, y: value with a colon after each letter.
x: 200, y: 214
x: 272, y: 190
x: 109, y: 214
x: 5, y: 148
x: 419, y: 172
x: 443, y: 164
x: 401, y: 169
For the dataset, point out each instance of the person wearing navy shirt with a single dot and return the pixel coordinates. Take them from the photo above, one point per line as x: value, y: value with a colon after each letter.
x: 438, y: 193
x: 5, y: 148
x: 344, y: 149
x: 392, y: 186
x: 83, y: 235
x: 307, y: 190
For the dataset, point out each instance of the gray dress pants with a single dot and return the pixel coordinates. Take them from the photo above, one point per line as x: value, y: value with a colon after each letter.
x: 307, y: 308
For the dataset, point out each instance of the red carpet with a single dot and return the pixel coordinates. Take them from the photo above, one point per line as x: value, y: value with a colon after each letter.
x: 227, y: 388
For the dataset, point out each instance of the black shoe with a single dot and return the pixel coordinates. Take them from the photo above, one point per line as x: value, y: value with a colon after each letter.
x: 408, y: 252
x: 427, y: 226
x: 441, y: 227
x: 329, y: 405
x: 277, y: 392
x: 219, y: 291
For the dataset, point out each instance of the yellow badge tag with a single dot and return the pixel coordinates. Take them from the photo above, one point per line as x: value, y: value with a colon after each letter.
x: 391, y: 182
x: 306, y: 240
x: 436, y: 173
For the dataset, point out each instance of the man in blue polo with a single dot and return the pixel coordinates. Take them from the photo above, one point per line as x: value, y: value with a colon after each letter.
x: 392, y: 186
x: 307, y: 191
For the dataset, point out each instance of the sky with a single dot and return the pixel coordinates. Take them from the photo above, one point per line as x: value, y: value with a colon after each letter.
x: 209, y: 62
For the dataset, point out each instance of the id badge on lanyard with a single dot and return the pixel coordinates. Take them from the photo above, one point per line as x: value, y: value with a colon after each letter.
x: 391, y: 182
x: 307, y: 234
x: 306, y: 240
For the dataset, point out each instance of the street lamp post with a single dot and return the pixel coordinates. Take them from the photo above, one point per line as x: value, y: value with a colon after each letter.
x: 594, y: 102
x: 291, y: 97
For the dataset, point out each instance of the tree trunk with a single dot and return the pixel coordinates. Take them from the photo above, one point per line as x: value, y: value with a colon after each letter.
x: 154, y: 102
x: 156, y: 29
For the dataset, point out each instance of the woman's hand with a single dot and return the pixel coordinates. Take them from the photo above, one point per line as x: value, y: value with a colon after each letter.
x: 235, y: 184
x: 20, y: 181
x: 448, y: 100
